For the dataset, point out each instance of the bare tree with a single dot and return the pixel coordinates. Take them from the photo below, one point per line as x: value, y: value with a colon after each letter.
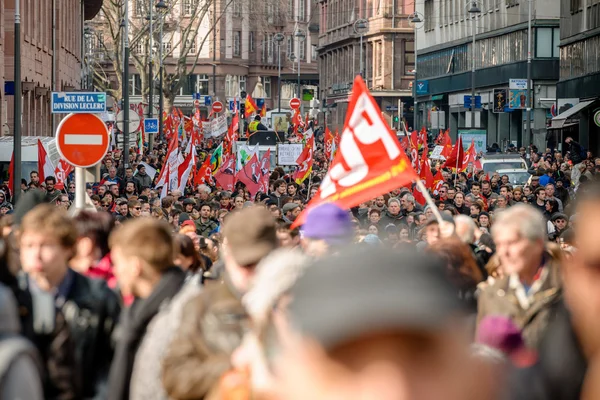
x: 182, y: 43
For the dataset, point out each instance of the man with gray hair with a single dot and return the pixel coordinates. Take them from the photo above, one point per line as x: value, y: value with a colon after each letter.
x: 203, y: 192
x: 465, y: 228
x: 408, y: 204
x: 530, y: 285
x: 393, y: 213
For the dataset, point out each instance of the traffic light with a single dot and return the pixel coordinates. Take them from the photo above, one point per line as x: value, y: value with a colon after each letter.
x: 243, y: 109
x: 243, y: 94
x: 396, y: 119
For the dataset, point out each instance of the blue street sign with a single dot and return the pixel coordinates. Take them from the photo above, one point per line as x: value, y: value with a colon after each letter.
x: 422, y: 87
x: 468, y: 101
x: 78, y: 102
x: 231, y: 105
x: 207, y: 100
x: 391, y: 108
x: 151, y: 125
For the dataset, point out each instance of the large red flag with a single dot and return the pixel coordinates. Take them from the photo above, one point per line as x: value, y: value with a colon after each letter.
x: 425, y: 172
x: 250, y: 175
x: 328, y: 144
x: 204, y: 173
x: 171, y: 162
x: 305, y: 162
x: 457, y: 156
x: 438, y: 181
x: 369, y: 162
x: 225, y: 176
x: 447, y: 143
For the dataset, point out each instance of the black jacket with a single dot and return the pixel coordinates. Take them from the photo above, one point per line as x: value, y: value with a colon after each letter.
x: 132, y: 329
x: 92, y: 310
x: 561, y: 368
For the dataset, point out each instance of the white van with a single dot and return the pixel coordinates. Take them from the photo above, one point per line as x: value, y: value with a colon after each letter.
x: 497, y: 162
x: 29, y: 154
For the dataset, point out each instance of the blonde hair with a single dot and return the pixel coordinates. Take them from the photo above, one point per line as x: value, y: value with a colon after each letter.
x: 50, y: 220
x: 146, y: 238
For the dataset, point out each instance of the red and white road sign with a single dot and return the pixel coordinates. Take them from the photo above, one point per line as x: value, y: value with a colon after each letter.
x: 82, y: 139
x: 295, y: 103
x: 217, y: 107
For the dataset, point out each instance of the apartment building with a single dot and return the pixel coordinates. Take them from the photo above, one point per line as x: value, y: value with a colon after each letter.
x: 46, y: 64
x: 387, y: 55
x: 578, y: 90
x: 240, y: 54
x: 445, y: 55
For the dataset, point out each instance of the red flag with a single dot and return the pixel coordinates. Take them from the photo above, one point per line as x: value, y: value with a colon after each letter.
x: 265, y: 170
x: 204, y: 173
x: 305, y: 162
x: 470, y: 156
x: 263, y: 110
x: 250, y: 106
x: 250, y: 175
x: 171, y: 161
x: 45, y: 167
x: 225, y: 176
x: 414, y: 149
x: 425, y: 171
x: 419, y: 197
x: 62, y: 170
x: 185, y: 169
x: 447, y: 143
x: 328, y: 144
x: 487, y: 177
x: 457, y: 156
x: 438, y: 182
x: 369, y: 162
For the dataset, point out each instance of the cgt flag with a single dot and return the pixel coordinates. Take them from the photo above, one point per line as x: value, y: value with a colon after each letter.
x: 369, y: 162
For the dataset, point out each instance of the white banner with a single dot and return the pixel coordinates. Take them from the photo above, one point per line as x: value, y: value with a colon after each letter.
x: 288, y: 153
x: 218, y: 126
x: 437, y: 153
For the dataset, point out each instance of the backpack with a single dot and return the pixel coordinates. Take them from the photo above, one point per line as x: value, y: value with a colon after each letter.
x: 13, y: 347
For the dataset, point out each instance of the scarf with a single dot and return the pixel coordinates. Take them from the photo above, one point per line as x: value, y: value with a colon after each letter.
x: 134, y: 323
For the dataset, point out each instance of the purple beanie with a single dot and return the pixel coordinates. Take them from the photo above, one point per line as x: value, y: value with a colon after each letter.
x: 330, y: 223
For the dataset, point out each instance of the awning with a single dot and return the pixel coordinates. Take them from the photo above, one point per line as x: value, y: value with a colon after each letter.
x: 560, y: 119
x: 565, y: 126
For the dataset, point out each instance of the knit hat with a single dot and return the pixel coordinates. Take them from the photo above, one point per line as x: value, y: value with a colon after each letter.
x: 330, y: 223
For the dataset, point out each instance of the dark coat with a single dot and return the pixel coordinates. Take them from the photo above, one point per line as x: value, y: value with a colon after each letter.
x: 132, y: 328
x: 387, y: 218
x: 561, y: 367
x: 92, y: 310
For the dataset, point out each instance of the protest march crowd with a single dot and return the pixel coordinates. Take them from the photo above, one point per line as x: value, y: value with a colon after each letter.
x: 368, y: 271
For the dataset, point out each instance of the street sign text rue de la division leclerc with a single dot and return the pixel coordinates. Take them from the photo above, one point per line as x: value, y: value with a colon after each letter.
x: 78, y: 102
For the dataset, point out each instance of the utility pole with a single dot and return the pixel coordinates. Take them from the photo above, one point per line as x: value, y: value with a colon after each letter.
x: 126, y: 87
x: 17, y: 107
x: 528, y: 132
x: 151, y: 75
x: 214, y: 28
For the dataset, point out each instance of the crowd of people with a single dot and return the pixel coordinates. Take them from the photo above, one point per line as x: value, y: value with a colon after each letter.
x: 489, y: 292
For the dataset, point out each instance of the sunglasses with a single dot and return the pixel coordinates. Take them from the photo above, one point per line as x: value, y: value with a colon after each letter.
x: 105, y: 205
x: 137, y: 208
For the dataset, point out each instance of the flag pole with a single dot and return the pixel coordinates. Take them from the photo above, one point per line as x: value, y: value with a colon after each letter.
x: 309, y: 185
x: 429, y: 200
x: 457, y: 155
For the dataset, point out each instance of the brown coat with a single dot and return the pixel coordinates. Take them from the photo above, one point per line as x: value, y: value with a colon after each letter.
x: 213, y: 326
x: 502, y: 298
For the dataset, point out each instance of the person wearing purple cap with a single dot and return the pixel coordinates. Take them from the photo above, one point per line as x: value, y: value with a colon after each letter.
x: 327, y: 226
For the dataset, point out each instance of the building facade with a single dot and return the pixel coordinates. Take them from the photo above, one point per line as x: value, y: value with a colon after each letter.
x: 387, y: 53
x: 445, y: 57
x: 579, y: 86
x: 50, y: 58
x: 239, y: 55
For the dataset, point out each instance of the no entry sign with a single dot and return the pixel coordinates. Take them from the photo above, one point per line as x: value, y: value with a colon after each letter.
x: 82, y: 139
x: 295, y: 103
x: 217, y: 107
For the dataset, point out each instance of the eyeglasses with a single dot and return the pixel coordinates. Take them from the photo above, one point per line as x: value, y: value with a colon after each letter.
x: 71, y: 187
x: 137, y: 208
x: 105, y: 205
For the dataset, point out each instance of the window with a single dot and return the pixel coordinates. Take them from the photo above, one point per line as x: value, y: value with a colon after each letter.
x: 267, y: 86
x: 135, y: 85
x: 429, y: 16
x: 580, y: 58
x: 190, y: 43
x: 302, y: 50
x: 270, y: 14
x: 189, y: 85
x: 301, y: 10
x: 251, y: 42
x: 242, y: 80
x: 290, y: 46
x: 237, y: 8
x: 543, y: 46
x: 202, y: 87
x: 313, y: 51
x: 166, y: 46
x: 270, y: 47
x: 290, y: 9
x: 512, y: 3
x: 188, y: 6
x: 138, y: 8
x: 237, y: 37
x: 575, y: 6
x: 230, y: 87
x: 379, y: 59
x: 138, y: 48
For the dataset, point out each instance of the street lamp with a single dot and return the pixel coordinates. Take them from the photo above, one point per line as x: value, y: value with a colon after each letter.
x: 126, y: 86
x: 161, y: 8
x: 301, y: 36
x: 416, y: 20
x: 361, y: 26
x: 278, y: 38
x: 151, y: 72
x: 473, y: 10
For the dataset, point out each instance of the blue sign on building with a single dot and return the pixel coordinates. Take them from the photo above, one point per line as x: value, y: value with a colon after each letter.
x: 78, y: 102
x: 151, y: 125
x: 232, y: 105
x: 391, y: 108
x: 468, y: 101
x: 207, y: 100
x: 422, y: 87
